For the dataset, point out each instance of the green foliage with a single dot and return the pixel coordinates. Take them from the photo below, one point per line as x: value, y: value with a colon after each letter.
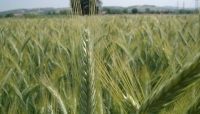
x: 100, y: 64
x: 31, y: 16
x: 49, y: 13
x: 134, y: 10
x: 114, y: 11
x: 125, y: 11
x: 108, y: 10
x: 64, y: 12
x: 183, y: 11
x: 147, y: 10
x: 9, y: 15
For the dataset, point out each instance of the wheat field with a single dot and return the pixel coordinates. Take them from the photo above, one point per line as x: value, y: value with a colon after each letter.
x: 112, y: 64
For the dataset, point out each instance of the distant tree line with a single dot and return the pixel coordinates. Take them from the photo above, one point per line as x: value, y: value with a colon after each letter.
x: 108, y: 11
x: 61, y: 12
x: 9, y: 15
x: 147, y: 11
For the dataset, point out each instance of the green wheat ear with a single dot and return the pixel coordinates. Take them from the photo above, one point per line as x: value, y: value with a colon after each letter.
x: 87, y: 75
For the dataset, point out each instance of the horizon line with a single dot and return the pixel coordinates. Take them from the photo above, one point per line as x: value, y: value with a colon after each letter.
x: 102, y: 6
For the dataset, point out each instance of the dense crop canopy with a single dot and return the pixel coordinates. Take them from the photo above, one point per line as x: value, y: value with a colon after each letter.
x: 100, y: 64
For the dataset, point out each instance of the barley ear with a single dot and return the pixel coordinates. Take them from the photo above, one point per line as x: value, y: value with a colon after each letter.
x: 169, y: 90
x: 87, y: 97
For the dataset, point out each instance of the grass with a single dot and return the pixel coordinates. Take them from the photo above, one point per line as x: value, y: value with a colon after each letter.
x: 100, y: 64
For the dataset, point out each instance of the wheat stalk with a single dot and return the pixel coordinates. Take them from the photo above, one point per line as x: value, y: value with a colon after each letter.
x: 87, y: 78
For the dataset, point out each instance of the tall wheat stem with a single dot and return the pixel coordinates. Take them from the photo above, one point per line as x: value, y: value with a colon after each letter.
x: 87, y: 77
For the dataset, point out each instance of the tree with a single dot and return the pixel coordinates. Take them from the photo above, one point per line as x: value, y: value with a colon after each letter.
x: 63, y: 12
x: 134, y: 10
x: 152, y: 12
x: 107, y: 9
x: 166, y: 12
x: 116, y: 11
x: 125, y: 10
x: 1, y: 16
x: 49, y: 13
x: 188, y: 11
x: 9, y: 15
x: 147, y: 10
x: 86, y: 7
x: 181, y: 11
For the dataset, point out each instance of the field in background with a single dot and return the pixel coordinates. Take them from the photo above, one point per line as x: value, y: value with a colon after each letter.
x: 100, y: 64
